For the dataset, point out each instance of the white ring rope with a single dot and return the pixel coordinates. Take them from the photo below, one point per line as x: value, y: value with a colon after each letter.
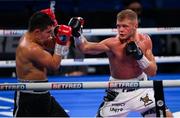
x: 104, y: 32
x: 101, y: 32
x: 86, y: 85
x: 93, y: 61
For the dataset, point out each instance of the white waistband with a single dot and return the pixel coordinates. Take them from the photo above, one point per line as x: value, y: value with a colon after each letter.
x: 33, y: 91
x: 143, y: 76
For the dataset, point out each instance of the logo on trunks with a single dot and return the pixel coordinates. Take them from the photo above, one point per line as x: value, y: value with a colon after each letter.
x: 123, y: 84
x: 146, y: 100
x: 118, y: 104
x: 117, y: 107
x: 67, y: 85
x: 13, y: 87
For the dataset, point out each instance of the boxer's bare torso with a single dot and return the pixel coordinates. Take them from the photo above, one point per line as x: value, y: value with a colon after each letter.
x: 26, y: 68
x: 121, y: 65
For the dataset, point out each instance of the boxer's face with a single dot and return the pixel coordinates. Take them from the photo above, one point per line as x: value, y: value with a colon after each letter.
x: 126, y: 28
x: 46, y: 34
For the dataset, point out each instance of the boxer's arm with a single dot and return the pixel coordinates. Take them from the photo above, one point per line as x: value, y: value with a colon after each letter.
x: 44, y: 58
x: 81, y: 42
x: 49, y: 45
x: 145, y: 60
x: 152, y: 68
x: 92, y: 47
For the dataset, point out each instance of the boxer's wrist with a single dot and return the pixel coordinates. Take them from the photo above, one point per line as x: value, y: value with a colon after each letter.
x: 143, y: 62
x: 61, y: 50
x: 79, y: 40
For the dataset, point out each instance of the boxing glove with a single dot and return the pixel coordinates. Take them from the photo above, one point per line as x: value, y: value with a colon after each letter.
x: 50, y: 13
x: 133, y: 49
x: 62, y: 34
x: 76, y: 23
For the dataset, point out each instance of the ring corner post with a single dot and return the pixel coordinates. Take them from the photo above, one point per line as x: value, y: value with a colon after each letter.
x: 159, y: 98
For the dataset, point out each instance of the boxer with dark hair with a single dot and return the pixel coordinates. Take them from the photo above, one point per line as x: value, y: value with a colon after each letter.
x: 32, y: 63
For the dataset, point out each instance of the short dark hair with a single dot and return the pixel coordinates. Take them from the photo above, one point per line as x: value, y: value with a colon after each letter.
x: 39, y: 20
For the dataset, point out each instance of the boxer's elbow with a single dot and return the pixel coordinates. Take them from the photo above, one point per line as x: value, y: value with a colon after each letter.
x: 152, y: 71
x: 54, y: 66
x: 57, y: 66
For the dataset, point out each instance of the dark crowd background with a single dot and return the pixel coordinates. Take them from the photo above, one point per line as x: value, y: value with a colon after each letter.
x: 14, y: 14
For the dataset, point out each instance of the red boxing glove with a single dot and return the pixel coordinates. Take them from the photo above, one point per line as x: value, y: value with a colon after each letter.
x: 50, y: 13
x: 62, y: 34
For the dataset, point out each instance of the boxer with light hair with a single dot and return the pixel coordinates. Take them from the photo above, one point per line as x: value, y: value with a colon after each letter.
x: 130, y: 58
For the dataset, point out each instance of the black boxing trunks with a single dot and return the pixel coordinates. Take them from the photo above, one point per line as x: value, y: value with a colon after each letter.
x: 36, y: 104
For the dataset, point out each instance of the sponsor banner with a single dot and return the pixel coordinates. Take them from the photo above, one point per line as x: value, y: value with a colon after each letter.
x: 12, y: 87
x: 67, y: 85
x: 124, y: 84
x: 169, y: 45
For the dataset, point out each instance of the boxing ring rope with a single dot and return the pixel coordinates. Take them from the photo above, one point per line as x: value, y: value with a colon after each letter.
x: 156, y: 85
x: 98, y: 32
x: 92, y: 61
x: 101, y: 32
x: 87, y: 85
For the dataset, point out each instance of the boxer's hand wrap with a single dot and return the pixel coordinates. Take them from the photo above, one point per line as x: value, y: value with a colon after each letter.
x: 50, y: 13
x: 61, y: 50
x: 143, y: 62
x: 62, y: 34
x: 136, y: 52
x: 76, y: 23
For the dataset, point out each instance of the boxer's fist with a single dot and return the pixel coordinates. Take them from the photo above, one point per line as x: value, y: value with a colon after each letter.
x: 62, y: 34
x: 76, y: 23
x: 133, y: 49
x: 50, y: 13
